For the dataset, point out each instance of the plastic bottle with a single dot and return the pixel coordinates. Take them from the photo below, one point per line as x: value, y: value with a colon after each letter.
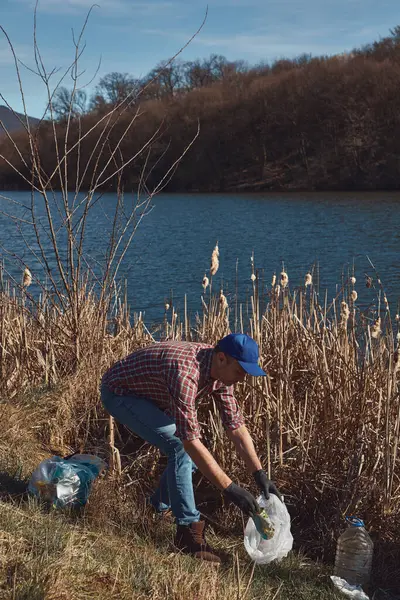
x: 354, y: 553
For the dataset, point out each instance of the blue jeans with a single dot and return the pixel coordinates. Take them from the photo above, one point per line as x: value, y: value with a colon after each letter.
x: 144, y: 418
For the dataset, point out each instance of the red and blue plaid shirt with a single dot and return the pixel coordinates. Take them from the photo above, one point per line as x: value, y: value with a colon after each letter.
x: 175, y: 376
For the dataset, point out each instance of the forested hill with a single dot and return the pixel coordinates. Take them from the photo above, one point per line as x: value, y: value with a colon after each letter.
x: 309, y: 123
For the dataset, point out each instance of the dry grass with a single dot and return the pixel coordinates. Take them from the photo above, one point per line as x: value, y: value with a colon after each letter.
x: 50, y: 556
x: 325, y: 421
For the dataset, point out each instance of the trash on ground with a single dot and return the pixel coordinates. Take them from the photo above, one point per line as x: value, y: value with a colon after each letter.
x: 65, y: 481
x: 352, y: 591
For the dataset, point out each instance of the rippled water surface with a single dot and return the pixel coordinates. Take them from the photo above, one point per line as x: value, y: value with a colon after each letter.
x: 171, y: 250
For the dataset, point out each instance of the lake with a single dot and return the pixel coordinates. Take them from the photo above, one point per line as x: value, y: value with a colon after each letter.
x: 171, y: 250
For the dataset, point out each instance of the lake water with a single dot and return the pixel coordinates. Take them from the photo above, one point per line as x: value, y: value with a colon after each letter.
x: 172, y: 247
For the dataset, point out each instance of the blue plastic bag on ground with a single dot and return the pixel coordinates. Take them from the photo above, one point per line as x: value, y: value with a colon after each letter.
x: 65, y: 481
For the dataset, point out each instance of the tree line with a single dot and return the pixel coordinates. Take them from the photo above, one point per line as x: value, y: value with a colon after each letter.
x: 310, y: 123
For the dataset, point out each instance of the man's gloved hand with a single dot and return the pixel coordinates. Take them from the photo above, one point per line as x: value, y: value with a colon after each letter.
x: 242, y: 498
x: 265, y: 485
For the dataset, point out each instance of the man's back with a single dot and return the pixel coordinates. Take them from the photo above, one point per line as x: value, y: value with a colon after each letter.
x: 157, y: 365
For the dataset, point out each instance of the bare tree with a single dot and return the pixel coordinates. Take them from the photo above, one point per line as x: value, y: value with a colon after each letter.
x: 60, y: 241
x: 168, y: 79
x: 113, y: 89
x: 65, y: 101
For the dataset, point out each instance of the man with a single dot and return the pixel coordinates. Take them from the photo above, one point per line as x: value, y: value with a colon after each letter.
x: 154, y: 392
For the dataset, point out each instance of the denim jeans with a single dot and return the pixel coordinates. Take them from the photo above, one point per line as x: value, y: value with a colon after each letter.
x: 144, y: 418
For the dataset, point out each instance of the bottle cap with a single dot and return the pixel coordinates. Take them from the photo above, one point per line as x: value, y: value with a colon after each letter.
x: 355, y: 522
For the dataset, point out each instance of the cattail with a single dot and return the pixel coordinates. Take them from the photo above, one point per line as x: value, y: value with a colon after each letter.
x: 308, y: 279
x: 175, y: 315
x: 368, y: 281
x: 376, y: 328
x: 253, y: 277
x: 273, y: 282
x: 223, y: 302
x: 166, y: 306
x: 27, y: 278
x: 353, y: 280
x: 398, y: 336
x: 397, y: 317
x: 284, y: 279
x: 277, y: 291
x: 354, y: 295
x: 386, y: 302
x: 344, y: 314
x: 205, y: 282
x: 214, y: 260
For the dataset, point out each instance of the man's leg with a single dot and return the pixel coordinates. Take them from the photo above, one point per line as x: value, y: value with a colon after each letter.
x: 160, y: 499
x: 145, y: 419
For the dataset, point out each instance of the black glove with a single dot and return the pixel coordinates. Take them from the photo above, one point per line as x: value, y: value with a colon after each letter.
x: 265, y: 485
x: 242, y: 498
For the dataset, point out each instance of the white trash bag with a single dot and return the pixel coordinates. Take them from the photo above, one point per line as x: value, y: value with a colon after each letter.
x: 265, y: 551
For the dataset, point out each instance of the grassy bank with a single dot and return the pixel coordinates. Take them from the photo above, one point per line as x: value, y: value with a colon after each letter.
x: 325, y: 422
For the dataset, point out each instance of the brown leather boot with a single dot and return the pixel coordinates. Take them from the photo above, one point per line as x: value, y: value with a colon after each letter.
x: 190, y: 540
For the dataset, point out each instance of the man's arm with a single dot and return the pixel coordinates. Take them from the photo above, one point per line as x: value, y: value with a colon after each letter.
x: 210, y: 469
x: 244, y: 445
x: 245, y: 448
x: 207, y: 464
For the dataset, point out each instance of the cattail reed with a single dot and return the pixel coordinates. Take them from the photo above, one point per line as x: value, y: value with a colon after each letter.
x: 308, y: 279
x: 376, y: 328
x: 205, y: 283
x: 166, y: 306
x: 284, y: 279
x: 354, y: 296
x: 223, y: 302
x: 344, y: 314
x: 368, y: 281
x: 353, y: 280
x: 273, y: 282
x: 253, y: 277
x: 386, y: 302
x: 27, y: 278
x: 214, y: 260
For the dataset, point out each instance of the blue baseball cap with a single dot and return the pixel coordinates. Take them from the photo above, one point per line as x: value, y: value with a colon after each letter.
x: 244, y: 349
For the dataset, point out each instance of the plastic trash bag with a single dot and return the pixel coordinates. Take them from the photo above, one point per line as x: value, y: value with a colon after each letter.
x: 265, y: 551
x: 65, y: 481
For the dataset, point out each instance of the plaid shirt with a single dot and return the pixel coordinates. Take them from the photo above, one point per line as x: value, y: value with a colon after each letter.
x: 175, y: 375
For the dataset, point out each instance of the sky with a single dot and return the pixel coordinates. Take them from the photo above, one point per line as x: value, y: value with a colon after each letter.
x: 133, y: 36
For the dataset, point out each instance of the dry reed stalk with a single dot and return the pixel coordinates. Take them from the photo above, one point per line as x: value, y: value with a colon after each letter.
x: 115, y: 458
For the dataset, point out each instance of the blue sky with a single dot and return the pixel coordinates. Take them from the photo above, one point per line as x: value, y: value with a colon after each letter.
x: 132, y: 36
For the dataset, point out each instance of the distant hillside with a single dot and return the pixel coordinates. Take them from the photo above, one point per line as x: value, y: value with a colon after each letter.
x: 11, y: 122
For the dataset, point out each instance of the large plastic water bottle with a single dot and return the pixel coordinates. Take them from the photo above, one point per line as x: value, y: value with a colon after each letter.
x: 354, y: 553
